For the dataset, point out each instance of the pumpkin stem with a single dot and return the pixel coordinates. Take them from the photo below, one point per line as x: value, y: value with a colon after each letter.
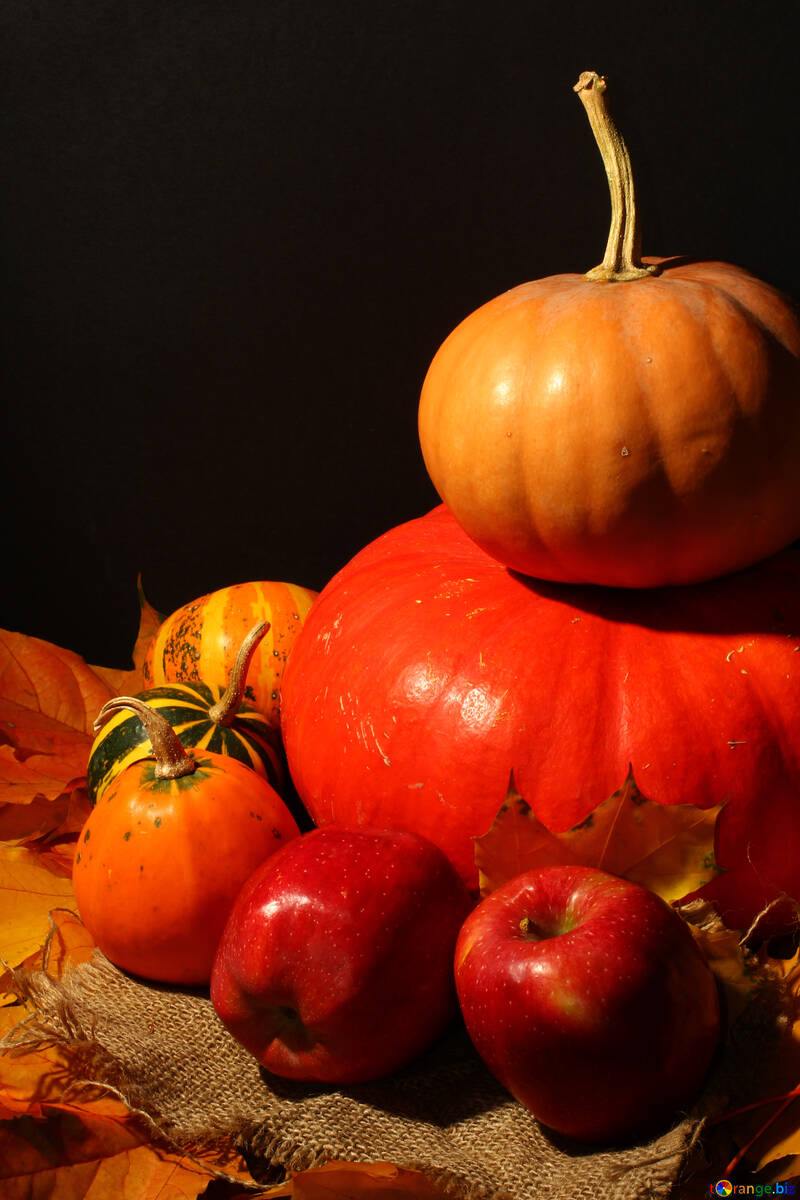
x: 622, y: 259
x: 224, y: 711
x: 172, y: 760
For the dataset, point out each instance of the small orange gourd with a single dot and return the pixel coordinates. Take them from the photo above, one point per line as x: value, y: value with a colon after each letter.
x: 635, y: 426
x: 166, y: 849
x: 199, y: 641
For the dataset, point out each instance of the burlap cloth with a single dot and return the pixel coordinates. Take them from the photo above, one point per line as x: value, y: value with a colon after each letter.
x: 168, y: 1055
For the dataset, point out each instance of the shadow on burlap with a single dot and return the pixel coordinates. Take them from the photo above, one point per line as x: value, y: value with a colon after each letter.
x: 166, y: 1053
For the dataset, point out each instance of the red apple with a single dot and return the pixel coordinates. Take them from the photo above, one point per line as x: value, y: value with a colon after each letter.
x: 589, y: 999
x: 336, y: 963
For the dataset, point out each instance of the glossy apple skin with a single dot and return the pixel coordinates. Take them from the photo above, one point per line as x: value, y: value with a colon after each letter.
x: 336, y: 964
x: 601, y: 1016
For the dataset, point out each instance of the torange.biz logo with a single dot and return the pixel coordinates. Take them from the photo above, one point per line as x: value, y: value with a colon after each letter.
x: 724, y: 1188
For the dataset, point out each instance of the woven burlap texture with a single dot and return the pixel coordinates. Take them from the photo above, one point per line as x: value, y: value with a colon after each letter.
x: 168, y: 1055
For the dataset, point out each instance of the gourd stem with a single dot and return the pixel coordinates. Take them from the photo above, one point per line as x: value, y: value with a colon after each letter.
x: 172, y: 760
x: 622, y: 259
x: 224, y: 711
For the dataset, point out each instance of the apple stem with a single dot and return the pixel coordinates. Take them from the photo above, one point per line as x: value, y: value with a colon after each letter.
x: 534, y: 931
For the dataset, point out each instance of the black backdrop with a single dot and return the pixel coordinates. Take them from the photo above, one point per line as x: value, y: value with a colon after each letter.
x: 236, y: 231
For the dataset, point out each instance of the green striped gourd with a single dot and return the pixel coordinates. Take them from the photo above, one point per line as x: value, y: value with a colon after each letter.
x: 203, y: 717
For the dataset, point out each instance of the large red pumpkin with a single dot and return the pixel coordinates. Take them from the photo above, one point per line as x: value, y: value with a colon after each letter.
x: 635, y: 426
x: 426, y: 672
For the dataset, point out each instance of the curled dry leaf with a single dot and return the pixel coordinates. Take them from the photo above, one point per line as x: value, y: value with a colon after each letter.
x: 44, y: 822
x: 78, y: 1154
x: 735, y: 967
x: 49, y: 699
x: 67, y: 942
x: 31, y: 884
x: 33, y: 1078
x: 669, y: 849
x: 355, y: 1181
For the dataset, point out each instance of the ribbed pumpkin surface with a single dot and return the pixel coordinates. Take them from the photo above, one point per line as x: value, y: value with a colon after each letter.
x: 123, y: 739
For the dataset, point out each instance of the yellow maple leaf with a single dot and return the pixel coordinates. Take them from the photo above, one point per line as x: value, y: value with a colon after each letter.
x: 66, y: 943
x: 668, y: 849
x: 30, y: 886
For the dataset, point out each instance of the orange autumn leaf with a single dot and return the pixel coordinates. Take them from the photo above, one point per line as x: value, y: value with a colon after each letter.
x: 66, y: 943
x: 47, y: 1081
x: 45, y: 821
x: 42, y: 1100
x: 49, y: 699
x: 31, y: 1078
x: 356, y: 1181
x: 667, y: 849
x: 31, y: 884
x: 75, y: 1154
x: 126, y: 682
x: 41, y: 1081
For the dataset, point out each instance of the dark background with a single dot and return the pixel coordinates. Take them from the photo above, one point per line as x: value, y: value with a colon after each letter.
x: 235, y: 234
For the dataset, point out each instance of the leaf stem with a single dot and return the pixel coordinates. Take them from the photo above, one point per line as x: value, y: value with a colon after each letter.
x: 622, y: 261
x: 783, y: 1101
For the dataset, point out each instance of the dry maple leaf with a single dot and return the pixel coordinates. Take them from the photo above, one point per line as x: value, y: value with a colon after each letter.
x: 30, y: 886
x: 33, y: 1077
x: 66, y: 943
x: 49, y: 699
x: 735, y: 967
x: 43, y: 821
x: 355, y: 1181
x: 76, y: 1154
x: 669, y: 849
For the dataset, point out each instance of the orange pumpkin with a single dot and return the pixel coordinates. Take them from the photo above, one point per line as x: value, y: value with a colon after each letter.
x: 200, y: 641
x: 166, y: 849
x: 636, y: 426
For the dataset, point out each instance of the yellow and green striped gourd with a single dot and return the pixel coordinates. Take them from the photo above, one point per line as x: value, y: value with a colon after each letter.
x: 204, y: 718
